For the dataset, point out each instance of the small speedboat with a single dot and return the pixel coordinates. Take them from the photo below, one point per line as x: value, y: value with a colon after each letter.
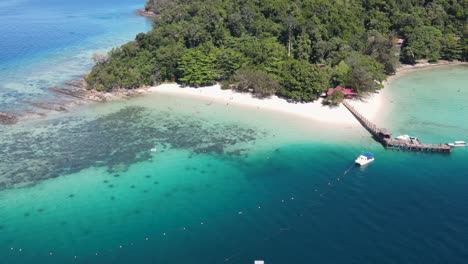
x: 457, y: 144
x: 364, y: 159
x: 404, y: 138
x: 407, y: 138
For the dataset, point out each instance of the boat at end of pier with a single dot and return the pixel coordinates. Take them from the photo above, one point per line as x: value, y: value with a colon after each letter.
x: 407, y: 138
x: 457, y: 144
x: 364, y: 159
x: 403, y: 137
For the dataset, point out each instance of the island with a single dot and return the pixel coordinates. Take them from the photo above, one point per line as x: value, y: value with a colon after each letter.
x: 294, y: 49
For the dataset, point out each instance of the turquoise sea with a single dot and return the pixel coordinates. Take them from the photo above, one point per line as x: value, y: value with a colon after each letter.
x: 231, y: 185
x: 224, y: 184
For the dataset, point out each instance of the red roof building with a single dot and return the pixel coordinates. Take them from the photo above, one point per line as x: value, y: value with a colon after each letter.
x: 348, y: 92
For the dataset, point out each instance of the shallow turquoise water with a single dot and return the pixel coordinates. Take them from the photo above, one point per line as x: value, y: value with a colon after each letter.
x: 48, y: 42
x: 231, y: 185
x: 431, y: 103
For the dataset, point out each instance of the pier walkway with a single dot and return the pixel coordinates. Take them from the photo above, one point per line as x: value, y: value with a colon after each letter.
x: 383, y: 136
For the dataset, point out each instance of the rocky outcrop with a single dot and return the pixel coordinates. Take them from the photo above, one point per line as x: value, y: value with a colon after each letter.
x: 75, y: 93
x: 50, y: 106
x: 7, y: 119
x: 145, y: 13
x: 80, y: 83
x: 96, y: 96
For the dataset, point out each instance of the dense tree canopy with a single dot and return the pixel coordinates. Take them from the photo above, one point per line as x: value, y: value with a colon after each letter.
x: 299, y: 47
x: 257, y: 82
x: 302, y: 81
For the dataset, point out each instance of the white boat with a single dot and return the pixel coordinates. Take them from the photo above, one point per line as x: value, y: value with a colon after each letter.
x: 457, y: 144
x: 403, y: 137
x: 364, y: 159
x: 406, y: 138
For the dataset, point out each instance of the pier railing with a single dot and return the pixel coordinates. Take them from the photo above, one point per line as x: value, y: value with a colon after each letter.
x: 367, y: 124
x: 383, y: 136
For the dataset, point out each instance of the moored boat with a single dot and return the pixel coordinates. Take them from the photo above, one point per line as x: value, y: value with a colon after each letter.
x: 407, y: 138
x: 364, y: 159
x: 403, y: 137
x: 457, y: 144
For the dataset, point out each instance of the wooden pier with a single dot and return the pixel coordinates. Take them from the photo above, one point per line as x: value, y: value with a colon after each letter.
x: 383, y: 136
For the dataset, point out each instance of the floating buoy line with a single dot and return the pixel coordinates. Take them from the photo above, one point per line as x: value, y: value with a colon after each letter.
x: 301, y: 204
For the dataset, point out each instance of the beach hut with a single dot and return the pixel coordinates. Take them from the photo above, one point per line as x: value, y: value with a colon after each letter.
x: 347, y: 92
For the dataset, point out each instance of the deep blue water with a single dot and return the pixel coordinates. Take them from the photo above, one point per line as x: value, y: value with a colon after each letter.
x: 298, y: 207
x: 45, y: 43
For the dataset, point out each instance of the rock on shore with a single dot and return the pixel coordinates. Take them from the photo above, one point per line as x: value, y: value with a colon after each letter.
x: 7, y: 119
x: 145, y: 13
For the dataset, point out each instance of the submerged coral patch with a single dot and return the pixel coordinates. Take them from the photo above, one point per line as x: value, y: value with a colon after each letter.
x: 114, y: 141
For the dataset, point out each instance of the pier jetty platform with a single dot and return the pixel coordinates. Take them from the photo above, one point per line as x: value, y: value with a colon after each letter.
x: 384, y: 136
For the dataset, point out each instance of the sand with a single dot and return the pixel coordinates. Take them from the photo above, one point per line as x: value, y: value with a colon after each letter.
x: 315, y: 111
x: 373, y: 106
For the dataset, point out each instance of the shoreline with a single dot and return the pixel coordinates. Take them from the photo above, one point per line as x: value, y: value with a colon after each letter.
x: 371, y: 106
x: 313, y: 111
x: 423, y: 65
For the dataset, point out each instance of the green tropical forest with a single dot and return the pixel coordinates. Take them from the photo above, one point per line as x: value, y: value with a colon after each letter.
x: 295, y: 49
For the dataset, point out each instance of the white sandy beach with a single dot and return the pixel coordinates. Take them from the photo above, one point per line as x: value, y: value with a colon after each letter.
x: 371, y: 106
x: 315, y: 111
